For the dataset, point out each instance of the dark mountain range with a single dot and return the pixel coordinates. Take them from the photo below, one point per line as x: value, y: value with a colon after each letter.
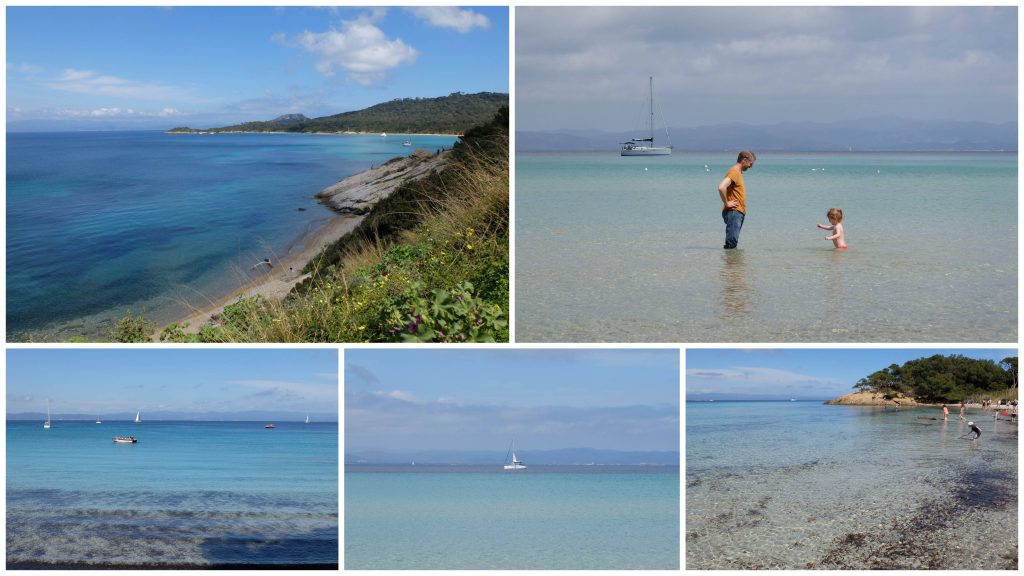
x: 452, y: 114
x: 882, y: 134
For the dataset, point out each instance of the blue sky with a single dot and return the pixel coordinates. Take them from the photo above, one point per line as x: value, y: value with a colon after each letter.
x: 481, y: 399
x: 200, y: 66
x: 102, y: 381
x: 807, y: 374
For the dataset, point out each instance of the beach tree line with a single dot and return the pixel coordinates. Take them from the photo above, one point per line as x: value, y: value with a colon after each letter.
x: 941, y: 378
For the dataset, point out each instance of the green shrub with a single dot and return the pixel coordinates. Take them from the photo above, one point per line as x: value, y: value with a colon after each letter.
x: 132, y: 329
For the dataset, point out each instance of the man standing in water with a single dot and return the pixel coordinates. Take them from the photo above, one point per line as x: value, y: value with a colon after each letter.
x: 734, y: 197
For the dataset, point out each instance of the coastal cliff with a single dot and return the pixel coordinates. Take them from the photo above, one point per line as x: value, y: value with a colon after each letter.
x: 359, y: 193
x: 872, y: 398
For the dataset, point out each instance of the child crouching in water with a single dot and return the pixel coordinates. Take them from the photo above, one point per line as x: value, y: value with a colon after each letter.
x: 835, y: 216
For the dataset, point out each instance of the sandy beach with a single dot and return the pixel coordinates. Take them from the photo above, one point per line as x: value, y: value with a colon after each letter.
x: 350, y: 199
x: 279, y: 281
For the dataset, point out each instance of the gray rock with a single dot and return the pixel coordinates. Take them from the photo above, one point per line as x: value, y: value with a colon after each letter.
x: 357, y: 194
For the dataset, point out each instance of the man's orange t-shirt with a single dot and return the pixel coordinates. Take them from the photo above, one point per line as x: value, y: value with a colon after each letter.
x: 736, y: 191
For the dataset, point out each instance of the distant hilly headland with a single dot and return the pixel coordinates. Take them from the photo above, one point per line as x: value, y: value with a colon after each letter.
x: 452, y: 114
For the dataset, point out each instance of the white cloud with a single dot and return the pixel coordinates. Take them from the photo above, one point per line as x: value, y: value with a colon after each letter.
x: 461, y: 20
x: 360, y: 49
x: 400, y: 395
x: 280, y: 387
x: 24, y: 68
x: 754, y: 375
x: 18, y: 113
x: 89, y: 82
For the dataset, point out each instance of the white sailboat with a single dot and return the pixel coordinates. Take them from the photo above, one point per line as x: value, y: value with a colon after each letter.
x: 516, y: 464
x: 645, y: 146
x: 47, y: 423
x: 307, y: 418
x: 138, y: 418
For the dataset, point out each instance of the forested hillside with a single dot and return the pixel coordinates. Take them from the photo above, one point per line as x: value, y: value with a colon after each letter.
x: 452, y: 114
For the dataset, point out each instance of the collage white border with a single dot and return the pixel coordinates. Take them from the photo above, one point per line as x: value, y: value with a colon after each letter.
x: 341, y: 348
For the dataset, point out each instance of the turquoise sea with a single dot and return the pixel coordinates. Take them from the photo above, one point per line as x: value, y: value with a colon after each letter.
x: 544, y: 517
x: 196, y: 494
x: 613, y: 249
x: 102, y: 222
x: 797, y: 485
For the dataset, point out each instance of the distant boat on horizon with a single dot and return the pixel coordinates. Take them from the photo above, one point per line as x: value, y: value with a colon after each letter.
x: 268, y: 426
x: 125, y: 439
x: 99, y: 420
x: 138, y: 417
x: 516, y: 464
x: 645, y: 146
x: 46, y: 424
x: 307, y: 418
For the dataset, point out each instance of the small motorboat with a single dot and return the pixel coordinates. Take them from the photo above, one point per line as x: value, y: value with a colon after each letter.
x: 269, y: 426
x: 125, y: 439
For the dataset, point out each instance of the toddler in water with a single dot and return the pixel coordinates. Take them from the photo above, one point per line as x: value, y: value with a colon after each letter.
x: 835, y: 216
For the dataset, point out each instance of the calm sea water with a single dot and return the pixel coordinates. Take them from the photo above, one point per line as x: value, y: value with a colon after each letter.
x: 630, y: 249
x: 100, y: 222
x: 800, y: 485
x: 462, y: 517
x: 188, y: 493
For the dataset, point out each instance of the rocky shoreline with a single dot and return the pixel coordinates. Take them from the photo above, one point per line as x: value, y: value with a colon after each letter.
x: 872, y: 398
x: 352, y: 199
x: 357, y: 194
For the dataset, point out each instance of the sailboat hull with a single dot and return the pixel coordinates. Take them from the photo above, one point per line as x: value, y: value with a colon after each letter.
x: 645, y: 151
x: 514, y: 467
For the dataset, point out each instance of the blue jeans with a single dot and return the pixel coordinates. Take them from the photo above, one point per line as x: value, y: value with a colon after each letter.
x: 733, y: 224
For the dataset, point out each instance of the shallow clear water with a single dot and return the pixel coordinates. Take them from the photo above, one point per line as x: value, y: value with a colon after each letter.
x: 557, y: 517
x: 187, y: 493
x: 801, y: 485
x: 630, y: 249
x: 100, y: 222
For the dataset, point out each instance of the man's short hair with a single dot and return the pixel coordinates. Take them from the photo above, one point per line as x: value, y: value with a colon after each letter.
x: 746, y: 155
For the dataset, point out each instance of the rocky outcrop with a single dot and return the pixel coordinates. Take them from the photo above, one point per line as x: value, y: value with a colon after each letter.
x: 357, y: 194
x: 871, y: 398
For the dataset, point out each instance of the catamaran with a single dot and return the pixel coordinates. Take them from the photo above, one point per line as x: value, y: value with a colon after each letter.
x: 47, y: 423
x: 516, y: 464
x: 645, y: 146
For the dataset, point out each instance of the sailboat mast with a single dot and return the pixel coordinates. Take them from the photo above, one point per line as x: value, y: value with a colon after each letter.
x: 651, y: 80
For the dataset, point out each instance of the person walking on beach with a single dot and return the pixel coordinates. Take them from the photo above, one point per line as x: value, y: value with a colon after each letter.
x: 963, y: 410
x: 945, y: 412
x: 734, y: 197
